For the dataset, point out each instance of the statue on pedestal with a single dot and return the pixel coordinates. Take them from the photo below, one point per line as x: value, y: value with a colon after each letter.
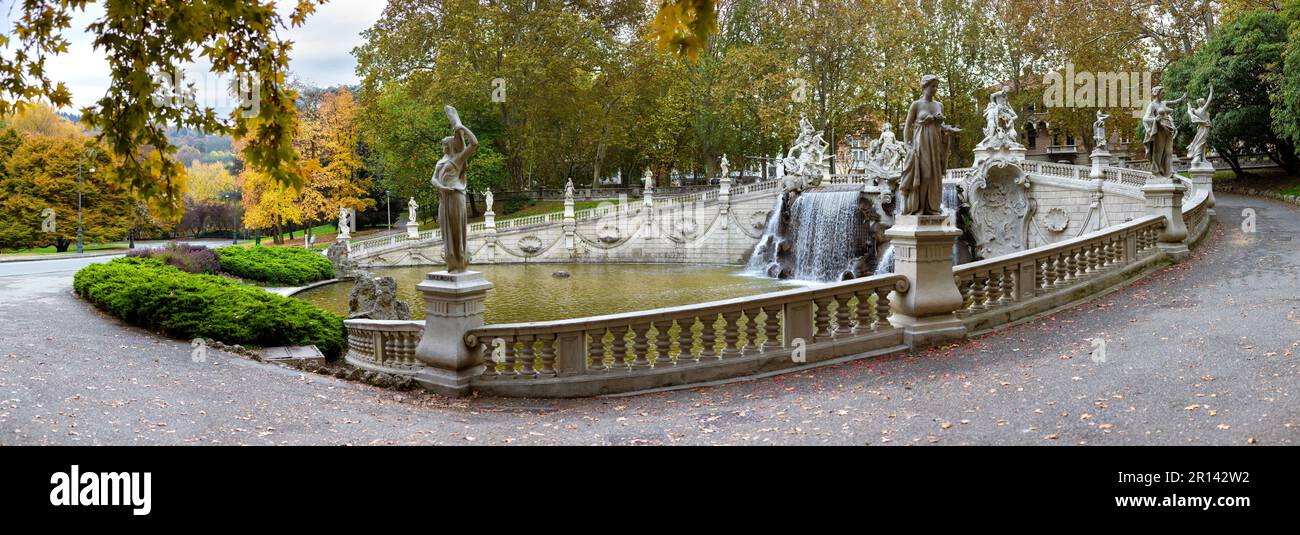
x: 1158, y: 121
x: 723, y: 167
x: 449, y: 178
x: 568, y: 190
x: 1099, y: 141
x: 925, y: 135
x: 999, y: 121
x: 805, y: 162
x: 885, y: 155
x: 345, y: 228
x: 410, y: 210
x: 1200, y: 116
x: 487, y: 201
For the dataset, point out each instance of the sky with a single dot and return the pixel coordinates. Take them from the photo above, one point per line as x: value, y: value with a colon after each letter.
x: 322, y: 50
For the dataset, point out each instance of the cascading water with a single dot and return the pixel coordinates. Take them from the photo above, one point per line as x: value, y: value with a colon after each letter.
x: 824, y: 229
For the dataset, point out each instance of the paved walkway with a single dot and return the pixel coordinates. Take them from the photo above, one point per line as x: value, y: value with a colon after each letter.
x: 1203, y: 352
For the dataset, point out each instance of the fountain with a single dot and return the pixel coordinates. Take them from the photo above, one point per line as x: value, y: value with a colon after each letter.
x: 824, y: 234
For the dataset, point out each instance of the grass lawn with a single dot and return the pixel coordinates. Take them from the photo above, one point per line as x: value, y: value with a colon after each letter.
x: 1272, y: 180
x: 71, y: 249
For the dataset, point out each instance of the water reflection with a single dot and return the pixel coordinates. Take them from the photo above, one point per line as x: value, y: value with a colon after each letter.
x: 529, y: 292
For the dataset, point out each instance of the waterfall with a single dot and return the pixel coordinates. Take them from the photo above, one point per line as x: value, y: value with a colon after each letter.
x: 824, y: 229
x: 949, y: 204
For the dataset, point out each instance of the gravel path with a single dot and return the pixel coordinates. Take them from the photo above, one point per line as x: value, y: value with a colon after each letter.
x: 1203, y: 352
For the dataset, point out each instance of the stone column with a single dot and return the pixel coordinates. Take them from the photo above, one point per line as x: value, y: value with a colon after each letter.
x: 453, y: 304
x: 570, y: 223
x: 1164, y: 196
x: 724, y: 198
x: 1100, y: 157
x: 490, y: 234
x: 1203, y: 178
x: 923, y: 253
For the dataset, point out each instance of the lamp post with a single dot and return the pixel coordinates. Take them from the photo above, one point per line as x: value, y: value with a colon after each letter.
x: 388, y: 203
x: 81, y: 163
x: 236, y: 197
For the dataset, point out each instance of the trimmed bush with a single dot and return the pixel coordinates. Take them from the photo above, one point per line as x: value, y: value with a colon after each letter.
x: 150, y: 294
x: 183, y: 256
x: 286, y: 266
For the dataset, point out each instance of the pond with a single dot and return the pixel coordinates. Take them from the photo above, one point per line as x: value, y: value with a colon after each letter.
x: 529, y: 292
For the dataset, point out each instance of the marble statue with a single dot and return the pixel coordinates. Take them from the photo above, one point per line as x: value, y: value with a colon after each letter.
x: 487, y: 201
x: 648, y: 181
x: 805, y: 162
x: 885, y: 155
x: 1158, y: 122
x: 345, y: 228
x: 723, y: 166
x: 1200, y: 116
x: 410, y: 210
x: 999, y: 121
x: 925, y: 136
x: 568, y: 190
x: 449, y: 178
x: 1099, y: 131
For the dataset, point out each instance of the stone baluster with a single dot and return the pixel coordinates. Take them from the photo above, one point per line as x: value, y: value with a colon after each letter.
x: 547, y: 343
x: 1009, y: 282
x: 663, y: 344
x: 685, y: 340
x: 640, y: 346
x: 709, y: 336
x: 772, y: 327
x: 882, y: 309
x: 596, y: 351
x: 977, y: 291
x: 490, y: 371
x: 620, y: 346
x: 843, y: 325
x: 822, y: 318
x: 751, y: 331
x: 527, y: 357
x: 731, y: 334
x: 863, y: 311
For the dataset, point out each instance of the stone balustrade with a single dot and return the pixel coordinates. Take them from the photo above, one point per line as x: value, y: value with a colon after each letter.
x: 1004, y: 289
x: 384, y: 345
x: 688, y: 344
x: 767, y: 333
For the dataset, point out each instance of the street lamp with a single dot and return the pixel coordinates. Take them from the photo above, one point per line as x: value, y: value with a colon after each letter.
x: 81, y: 163
x: 236, y: 197
x: 389, y: 204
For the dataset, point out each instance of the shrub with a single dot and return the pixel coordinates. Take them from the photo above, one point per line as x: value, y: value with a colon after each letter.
x: 150, y: 294
x: 515, y: 202
x: 290, y: 266
x: 183, y: 256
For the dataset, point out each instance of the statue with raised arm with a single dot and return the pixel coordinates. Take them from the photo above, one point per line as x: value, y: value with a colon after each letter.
x: 999, y: 121
x: 1099, y: 141
x: 1158, y: 121
x: 410, y: 210
x: 449, y: 178
x: 1200, y: 116
x: 925, y: 136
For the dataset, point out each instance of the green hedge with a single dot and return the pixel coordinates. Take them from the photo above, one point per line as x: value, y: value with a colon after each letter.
x: 150, y: 294
x: 288, y: 266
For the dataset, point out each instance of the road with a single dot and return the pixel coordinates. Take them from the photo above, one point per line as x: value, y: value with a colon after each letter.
x: 1203, y: 352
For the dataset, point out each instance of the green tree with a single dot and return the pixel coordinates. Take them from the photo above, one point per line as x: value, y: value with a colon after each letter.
x: 40, y: 174
x: 1242, y: 61
x: 144, y: 41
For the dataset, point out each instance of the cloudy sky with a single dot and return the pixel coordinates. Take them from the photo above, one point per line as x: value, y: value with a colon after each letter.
x: 322, y: 51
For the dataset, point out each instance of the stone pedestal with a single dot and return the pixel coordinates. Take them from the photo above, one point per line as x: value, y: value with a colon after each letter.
x: 570, y: 224
x: 453, y: 304
x: 1202, y: 174
x: 1100, y: 158
x: 412, y: 230
x: 923, y: 253
x: 1164, y: 196
x: 1006, y: 152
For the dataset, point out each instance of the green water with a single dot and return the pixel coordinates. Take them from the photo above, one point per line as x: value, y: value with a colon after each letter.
x: 528, y: 292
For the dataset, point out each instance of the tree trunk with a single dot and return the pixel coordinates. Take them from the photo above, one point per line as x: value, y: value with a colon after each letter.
x: 1231, y: 158
x: 61, y: 245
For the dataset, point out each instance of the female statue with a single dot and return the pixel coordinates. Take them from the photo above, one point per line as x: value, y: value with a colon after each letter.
x: 1158, y: 122
x: 1200, y: 116
x: 925, y: 137
x: 1099, y: 131
x: 449, y: 178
